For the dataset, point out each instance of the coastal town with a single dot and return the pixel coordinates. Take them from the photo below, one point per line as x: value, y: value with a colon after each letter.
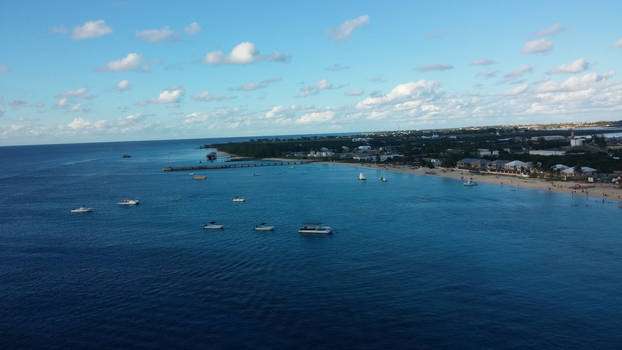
x: 582, y: 154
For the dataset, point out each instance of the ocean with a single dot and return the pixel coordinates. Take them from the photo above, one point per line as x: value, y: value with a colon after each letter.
x: 418, y: 262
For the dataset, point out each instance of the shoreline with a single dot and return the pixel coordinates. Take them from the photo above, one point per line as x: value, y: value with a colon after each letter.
x: 603, y: 191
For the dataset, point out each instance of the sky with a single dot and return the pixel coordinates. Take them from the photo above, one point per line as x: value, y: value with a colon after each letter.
x: 141, y: 70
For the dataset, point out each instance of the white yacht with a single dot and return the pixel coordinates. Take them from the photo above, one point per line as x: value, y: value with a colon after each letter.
x: 213, y: 226
x: 383, y: 179
x: 238, y: 200
x: 129, y: 202
x: 82, y: 210
x: 316, y: 229
x: 469, y: 183
x: 264, y: 227
x: 362, y: 177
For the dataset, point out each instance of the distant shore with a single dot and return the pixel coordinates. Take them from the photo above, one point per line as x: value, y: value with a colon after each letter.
x: 598, y: 190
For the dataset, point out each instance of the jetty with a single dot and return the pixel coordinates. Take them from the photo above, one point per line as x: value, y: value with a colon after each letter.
x: 236, y: 165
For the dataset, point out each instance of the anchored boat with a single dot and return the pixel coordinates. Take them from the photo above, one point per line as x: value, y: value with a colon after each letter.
x: 213, y: 226
x: 81, y: 210
x: 238, y: 200
x: 129, y: 202
x: 315, y: 229
x: 263, y: 227
x: 362, y: 177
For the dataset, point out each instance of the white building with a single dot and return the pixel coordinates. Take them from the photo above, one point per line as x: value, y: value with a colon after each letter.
x: 546, y: 152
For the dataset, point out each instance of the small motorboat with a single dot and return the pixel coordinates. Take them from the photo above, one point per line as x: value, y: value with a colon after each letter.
x: 315, y: 229
x: 82, y: 210
x: 383, y: 179
x: 264, y: 227
x: 213, y: 226
x: 238, y: 200
x: 362, y: 177
x: 469, y: 183
x: 191, y: 174
x: 126, y: 156
x: 129, y: 202
x: 199, y: 177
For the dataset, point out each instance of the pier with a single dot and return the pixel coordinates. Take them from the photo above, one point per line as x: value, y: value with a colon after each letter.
x: 237, y: 165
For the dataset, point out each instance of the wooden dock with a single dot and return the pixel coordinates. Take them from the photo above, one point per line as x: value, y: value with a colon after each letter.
x: 236, y: 165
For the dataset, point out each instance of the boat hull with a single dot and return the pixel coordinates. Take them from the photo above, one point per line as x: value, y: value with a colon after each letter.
x: 213, y: 227
x: 264, y: 228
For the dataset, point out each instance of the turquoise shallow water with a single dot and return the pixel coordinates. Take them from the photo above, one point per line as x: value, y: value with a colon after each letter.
x: 417, y: 262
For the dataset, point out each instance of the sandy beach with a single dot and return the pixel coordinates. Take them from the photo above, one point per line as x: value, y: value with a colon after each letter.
x: 600, y: 190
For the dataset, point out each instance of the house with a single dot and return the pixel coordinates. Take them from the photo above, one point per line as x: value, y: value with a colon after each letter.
x: 587, y: 170
x: 560, y: 167
x: 364, y: 148
x: 471, y: 163
x: 496, y: 165
x: 517, y: 165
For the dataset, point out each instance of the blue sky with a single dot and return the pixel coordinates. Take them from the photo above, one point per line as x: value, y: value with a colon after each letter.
x: 134, y: 70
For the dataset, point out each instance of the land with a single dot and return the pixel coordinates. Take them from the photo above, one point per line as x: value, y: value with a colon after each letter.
x: 574, y: 158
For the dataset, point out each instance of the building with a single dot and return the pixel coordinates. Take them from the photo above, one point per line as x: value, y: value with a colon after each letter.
x: 546, y: 152
x: 496, y: 165
x: 471, y: 163
x: 517, y: 165
x: 575, y: 142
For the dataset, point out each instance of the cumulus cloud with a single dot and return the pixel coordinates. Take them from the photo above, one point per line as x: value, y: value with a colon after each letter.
x: 134, y: 122
x: 482, y: 62
x: 171, y: 95
x: 75, y: 108
x: 62, y: 102
x: 575, y: 83
x: 421, y: 88
x: 314, y: 89
x: 130, y: 62
x: 156, y: 35
x: 576, y: 66
x: 336, y: 67
x: 4, y: 68
x: 123, y: 85
x: 554, y: 29
x: 243, y: 53
x: 517, y: 90
x: 343, y: 32
x: 205, y: 96
x: 355, y: 92
x: 192, y: 28
x: 315, y: 117
x: 256, y: 86
x: 79, y: 123
x: 538, y: 46
x: 92, y: 29
x: 435, y: 67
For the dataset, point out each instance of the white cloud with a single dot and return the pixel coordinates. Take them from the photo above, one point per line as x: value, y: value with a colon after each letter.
x: 517, y: 90
x: 577, y: 66
x: 243, y: 53
x: 554, y: 29
x: 314, y: 89
x: 343, y: 32
x: 81, y: 92
x: 206, y: 97
x: 4, y: 68
x: 519, y: 71
x: 196, y: 117
x: 355, y: 92
x: 256, y: 86
x: 171, y: 95
x: 485, y: 73
x: 130, y: 62
x: 193, y: 28
x: 156, y: 35
x: 315, y: 117
x: 92, y: 29
x: 435, y: 67
x: 537, y: 46
x: 123, y: 85
x: 79, y: 123
x: 401, y: 92
x: 62, y: 102
x: 75, y: 108
x: 618, y: 43
x: 575, y: 83
x: 482, y: 62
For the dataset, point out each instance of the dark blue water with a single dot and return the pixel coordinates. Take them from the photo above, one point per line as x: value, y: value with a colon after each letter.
x: 417, y: 262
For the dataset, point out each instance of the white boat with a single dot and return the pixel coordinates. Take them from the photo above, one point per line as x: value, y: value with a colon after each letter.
x: 263, y: 227
x: 238, y: 200
x: 383, y: 179
x: 469, y: 183
x: 213, y: 226
x: 82, y: 210
x: 129, y: 202
x: 362, y: 177
x: 316, y: 229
